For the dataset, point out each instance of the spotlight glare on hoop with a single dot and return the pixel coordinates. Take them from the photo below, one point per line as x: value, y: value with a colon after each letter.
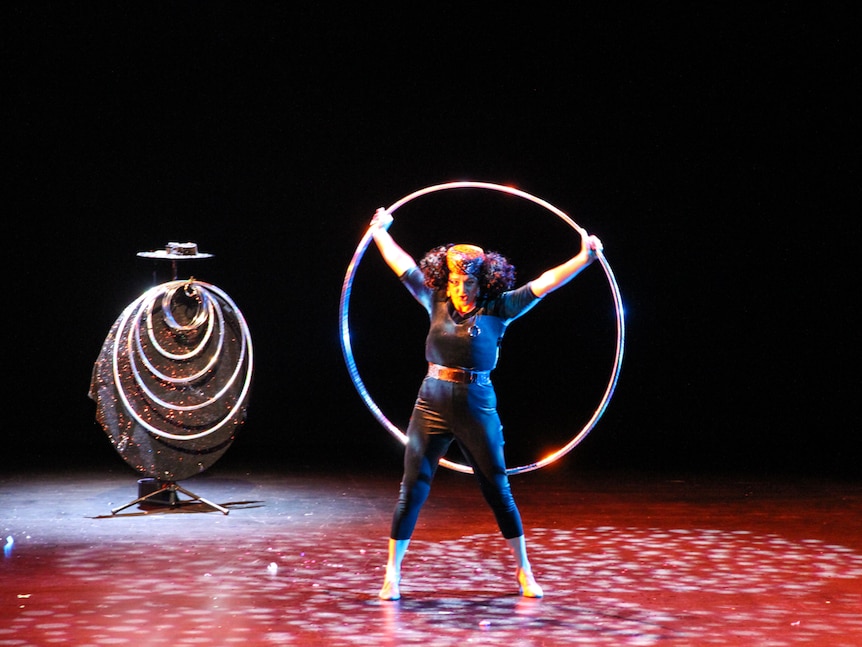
x: 375, y: 409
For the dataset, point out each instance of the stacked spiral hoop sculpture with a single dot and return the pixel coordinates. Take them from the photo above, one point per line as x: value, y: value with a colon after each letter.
x: 375, y: 409
x: 173, y: 379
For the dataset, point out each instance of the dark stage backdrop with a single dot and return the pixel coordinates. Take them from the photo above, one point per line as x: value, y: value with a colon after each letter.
x: 710, y: 148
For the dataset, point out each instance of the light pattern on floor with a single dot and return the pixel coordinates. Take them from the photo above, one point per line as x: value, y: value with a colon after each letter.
x: 603, y: 585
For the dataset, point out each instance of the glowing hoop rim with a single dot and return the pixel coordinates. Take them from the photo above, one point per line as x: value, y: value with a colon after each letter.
x: 347, y: 350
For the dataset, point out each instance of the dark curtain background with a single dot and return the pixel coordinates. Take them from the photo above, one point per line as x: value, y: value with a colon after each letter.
x: 711, y: 148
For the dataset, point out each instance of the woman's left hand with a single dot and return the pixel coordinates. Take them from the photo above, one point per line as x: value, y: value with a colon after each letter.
x: 591, y: 244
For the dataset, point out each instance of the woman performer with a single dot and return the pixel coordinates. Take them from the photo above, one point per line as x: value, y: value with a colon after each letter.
x: 469, y: 297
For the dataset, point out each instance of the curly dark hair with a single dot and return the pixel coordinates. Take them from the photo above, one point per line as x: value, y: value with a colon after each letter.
x: 496, y: 276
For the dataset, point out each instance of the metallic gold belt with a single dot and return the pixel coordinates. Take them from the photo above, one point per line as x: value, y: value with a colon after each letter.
x: 459, y: 375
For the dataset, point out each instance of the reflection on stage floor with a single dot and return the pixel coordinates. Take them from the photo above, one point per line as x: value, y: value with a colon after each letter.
x: 298, y: 558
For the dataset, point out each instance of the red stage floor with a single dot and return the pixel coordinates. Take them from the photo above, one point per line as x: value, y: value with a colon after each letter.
x: 298, y: 561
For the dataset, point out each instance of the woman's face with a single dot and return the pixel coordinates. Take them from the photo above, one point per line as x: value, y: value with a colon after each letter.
x: 463, y: 290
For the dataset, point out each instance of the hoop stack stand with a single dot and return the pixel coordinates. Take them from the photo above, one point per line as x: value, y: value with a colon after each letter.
x: 147, y: 443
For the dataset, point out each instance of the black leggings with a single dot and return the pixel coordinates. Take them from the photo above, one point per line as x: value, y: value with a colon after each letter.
x: 446, y: 411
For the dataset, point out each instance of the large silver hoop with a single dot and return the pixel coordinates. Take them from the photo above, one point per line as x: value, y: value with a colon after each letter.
x: 363, y: 391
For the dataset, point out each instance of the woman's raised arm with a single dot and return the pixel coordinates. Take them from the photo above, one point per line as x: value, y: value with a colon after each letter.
x: 558, y: 276
x: 395, y: 257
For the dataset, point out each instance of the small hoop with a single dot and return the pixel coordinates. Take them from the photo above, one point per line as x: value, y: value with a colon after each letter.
x: 363, y: 391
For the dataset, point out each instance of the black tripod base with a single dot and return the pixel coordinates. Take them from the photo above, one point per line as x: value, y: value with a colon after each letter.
x: 166, y: 493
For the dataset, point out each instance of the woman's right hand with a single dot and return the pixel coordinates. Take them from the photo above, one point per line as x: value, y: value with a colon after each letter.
x: 396, y: 258
x: 382, y: 219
